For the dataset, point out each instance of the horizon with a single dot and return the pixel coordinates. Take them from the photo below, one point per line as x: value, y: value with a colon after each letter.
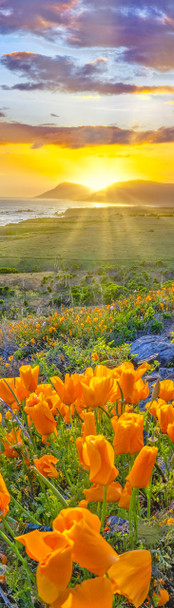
x: 86, y: 96
x: 91, y: 191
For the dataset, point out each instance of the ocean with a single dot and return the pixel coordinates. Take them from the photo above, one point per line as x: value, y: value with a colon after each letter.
x: 13, y: 210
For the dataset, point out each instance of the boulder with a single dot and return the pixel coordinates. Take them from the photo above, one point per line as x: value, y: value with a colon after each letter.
x: 149, y: 348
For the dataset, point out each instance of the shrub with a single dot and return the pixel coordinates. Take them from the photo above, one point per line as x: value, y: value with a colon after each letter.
x: 156, y: 327
x: 7, y: 270
x: 57, y: 300
x: 111, y: 292
x: 4, y: 290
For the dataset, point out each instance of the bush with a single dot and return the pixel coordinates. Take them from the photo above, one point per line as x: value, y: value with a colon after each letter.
x: 112, y: 292
x: 76, y: 294
x: 7, y: 270
x: 4, y: 290
x: 57, y: 300
x: 156, y: 327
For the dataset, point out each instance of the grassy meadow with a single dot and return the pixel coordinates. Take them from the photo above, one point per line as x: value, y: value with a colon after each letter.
x: 90, y: 237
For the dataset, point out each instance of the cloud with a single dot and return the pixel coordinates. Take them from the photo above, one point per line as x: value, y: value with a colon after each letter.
x: 142, y: 34
x: 38, y: 16
x: 61, y: 73
x: 80, y: 137
x: 141, y: 31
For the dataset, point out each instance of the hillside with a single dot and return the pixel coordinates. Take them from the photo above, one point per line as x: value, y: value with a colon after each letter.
x: 133, y: 192
x: 136, y: 192
x: 67, y: 190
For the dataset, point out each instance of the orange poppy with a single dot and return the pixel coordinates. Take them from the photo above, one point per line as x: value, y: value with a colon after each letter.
x: 90, y: 549
x: 140, y: 474
x: 45, y: 465
x: 4, y: 497
x: 29, y: 376
x: 98, y: 455
x: 72, y: 515
x: 42, y: 417
x: 53, y: 551
x: 157, y: 403
x: 12, y: 441
x: 141, y: 391
x: 125, y: 497
x: 97, y: 393
x: 131, y: 383
x: 165, y: 415
x: 162, y: 596
x: 96, y: 492
x: 101, y: 371
x: 88, y: 426
x: 68, y: 390
x: 96, y: 592
x: 166, y: 390
x: 170, y: 431
x: 5, y: 392
x: 20, y: 389
x: 79, y: 445
x: 128, y: 437
x: 94, y: 357
x: 131, y: 575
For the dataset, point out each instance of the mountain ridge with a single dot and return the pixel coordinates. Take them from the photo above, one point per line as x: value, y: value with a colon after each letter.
x: 134, y: 192
x: 67, y: 190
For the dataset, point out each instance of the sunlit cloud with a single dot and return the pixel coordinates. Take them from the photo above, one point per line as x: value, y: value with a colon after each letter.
x: 61, y: 73
x: 142, y: 31
x: 80, y: 137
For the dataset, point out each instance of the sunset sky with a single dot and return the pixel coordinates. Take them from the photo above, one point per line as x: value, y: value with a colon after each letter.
x: 87, y: 93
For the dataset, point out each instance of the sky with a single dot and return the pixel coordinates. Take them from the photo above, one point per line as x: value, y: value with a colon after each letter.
x: 86, y: 93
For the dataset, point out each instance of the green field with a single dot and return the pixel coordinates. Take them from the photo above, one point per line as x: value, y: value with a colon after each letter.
x: 88, y: 237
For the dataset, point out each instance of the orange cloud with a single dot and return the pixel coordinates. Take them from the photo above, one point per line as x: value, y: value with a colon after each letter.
x: 80, y: 137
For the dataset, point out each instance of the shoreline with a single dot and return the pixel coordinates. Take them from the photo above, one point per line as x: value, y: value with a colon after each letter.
x: 61, y: 213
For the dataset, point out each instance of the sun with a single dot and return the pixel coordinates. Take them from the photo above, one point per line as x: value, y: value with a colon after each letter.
x: 98, y: 181
x: 101, y: 173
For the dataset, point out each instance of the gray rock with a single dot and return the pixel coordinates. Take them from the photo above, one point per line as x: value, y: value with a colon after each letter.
x: 166, y: 372
x: 162, y: 374
x: 148, y: 348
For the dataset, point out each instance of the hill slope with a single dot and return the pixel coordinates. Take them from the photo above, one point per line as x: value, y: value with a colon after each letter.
x: 67, y: 190
x: 136, y: 192
x: 133, y: 192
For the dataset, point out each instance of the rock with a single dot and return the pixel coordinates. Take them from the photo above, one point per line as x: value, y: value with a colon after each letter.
x: 8, y: 350
x: 117, y: 524
x: 166, y: 373
x: 148, y: 348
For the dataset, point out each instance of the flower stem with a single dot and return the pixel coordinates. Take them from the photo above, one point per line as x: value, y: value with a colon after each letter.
x: 29, y: 515
x: 15, y: 550
x: 51, y: 487
x: 17, y: 420
x: 105, y: 412
x: 13, y: 393
x: 70, y: 416
x: 135, y: 516
x: 103, y: 508
x: 132, y: 515
x: 6, y: 524
x: 148, y: 494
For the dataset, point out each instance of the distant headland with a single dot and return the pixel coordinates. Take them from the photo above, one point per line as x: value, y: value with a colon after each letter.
x: 133, y: 192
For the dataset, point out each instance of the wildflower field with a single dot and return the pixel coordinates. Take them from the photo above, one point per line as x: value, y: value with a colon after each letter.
x: 87, y: 454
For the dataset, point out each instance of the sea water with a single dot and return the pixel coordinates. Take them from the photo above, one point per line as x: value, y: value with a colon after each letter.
x: 15, y: 210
